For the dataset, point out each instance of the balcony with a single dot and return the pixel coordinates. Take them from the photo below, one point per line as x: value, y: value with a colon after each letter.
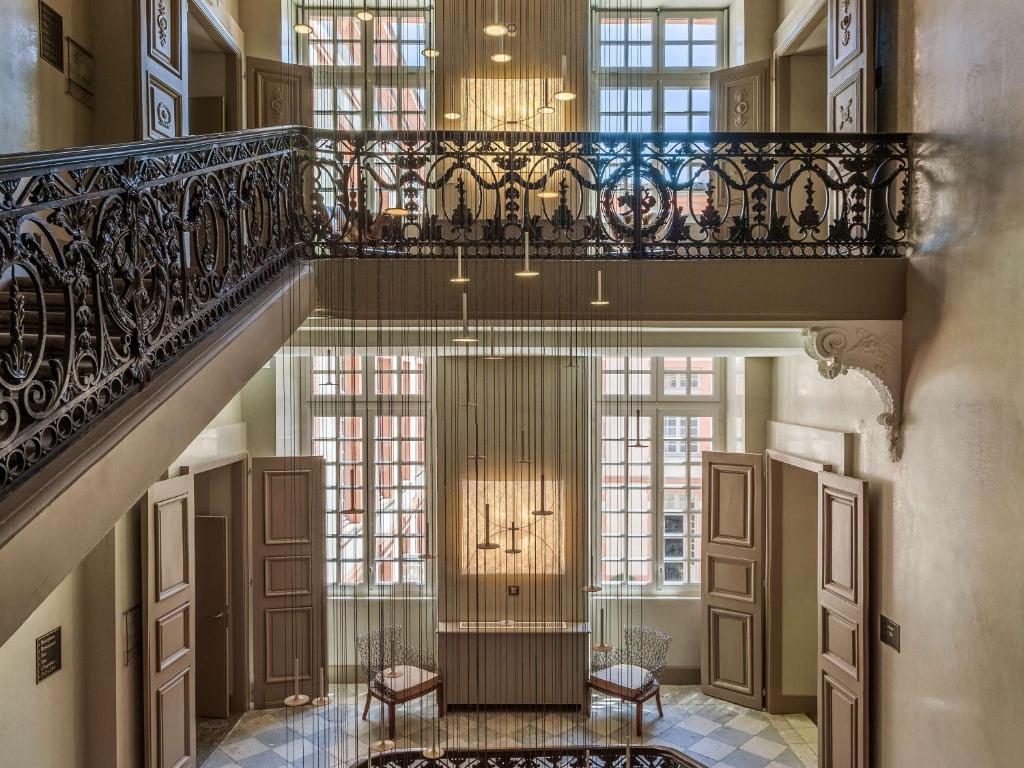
x: 115, y: 260
x: 655, y: 196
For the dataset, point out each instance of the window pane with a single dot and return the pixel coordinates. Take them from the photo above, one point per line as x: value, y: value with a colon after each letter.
x: 705, y: 29
x: 677, y: 55
x: 677, y: 123
x: 613, y: 29
x: 701, y: 100
x: 641, y: 29
x: 677, y: 29
x: 677, y: 99
x: 613, y: 55
x: 701, y: 124
x: 705, y: 55
x: 641, y: 56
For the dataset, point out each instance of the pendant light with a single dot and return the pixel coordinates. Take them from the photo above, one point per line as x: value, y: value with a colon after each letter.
x: 501, y: 57
x: 564, y: 94
x: 453, y: 115
x: 637, y: 442
x: 302, y: 28
x: 487, y: 544
x: 523, y: 458
x: 466, y: 337
x: 364, y: 13
x: 493, y: 354
x: 602, y: 646
x: 527, y: 270
x: 543, y: 511
x: 546, y: 108
x: 397, y: 211
x: 600, y: 301
x: 497, y: 27
x: 513, y: 549
x: 435, y: 752
x: 459, y: 276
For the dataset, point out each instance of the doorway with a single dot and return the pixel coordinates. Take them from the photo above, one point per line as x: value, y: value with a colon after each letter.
x: 801, y: 79
x: 214, y: 75
x: 222, y: 541
x: 791, y: 595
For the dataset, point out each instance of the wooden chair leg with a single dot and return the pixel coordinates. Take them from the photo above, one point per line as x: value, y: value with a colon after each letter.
x: 366, y: 709
x: 639, y: 718
x: 391, y: 721
x: 442, y: 708
x: 657, y: 700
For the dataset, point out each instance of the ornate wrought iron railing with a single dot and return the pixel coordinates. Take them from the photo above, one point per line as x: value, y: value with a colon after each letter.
x: 114, y: 259
x: 609, y: 196
x: 535, y: 757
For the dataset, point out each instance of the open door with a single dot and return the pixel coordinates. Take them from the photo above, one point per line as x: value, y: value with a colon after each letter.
x: 213, y: 609
x: 288, y: 568
x: 279, y: 93
x: 741, y: 98
x: 732, y: 564
x: 842, y: 622
x: 163, y: 68
x: 168, y: 568
x: 851, y: 66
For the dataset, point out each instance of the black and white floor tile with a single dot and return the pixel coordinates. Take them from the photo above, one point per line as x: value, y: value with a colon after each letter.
x: 712, y: 732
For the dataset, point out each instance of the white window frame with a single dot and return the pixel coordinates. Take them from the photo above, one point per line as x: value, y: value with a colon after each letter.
x: 656, y: 406
x: 368, y: 406
x: 658, y: 77
x: 367, y: 76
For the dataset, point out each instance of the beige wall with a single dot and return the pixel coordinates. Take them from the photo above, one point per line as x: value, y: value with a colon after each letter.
x: 87, y: 715
x: 38, y: 114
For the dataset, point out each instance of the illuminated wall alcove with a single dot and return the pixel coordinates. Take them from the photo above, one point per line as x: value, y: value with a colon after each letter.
x: 501, y: 513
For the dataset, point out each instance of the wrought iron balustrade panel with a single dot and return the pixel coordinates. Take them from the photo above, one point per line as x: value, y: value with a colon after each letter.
x: 611, y: 196
x: 565, y: 756
x: 113, y: 260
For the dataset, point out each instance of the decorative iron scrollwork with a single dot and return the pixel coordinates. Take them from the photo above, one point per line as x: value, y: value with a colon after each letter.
x: 659, y: 196
x: 116, y: 260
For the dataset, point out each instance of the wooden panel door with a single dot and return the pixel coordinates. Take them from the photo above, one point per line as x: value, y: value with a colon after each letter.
x: 288, y: 568
x: 163, y: 68
x: 843, y: 622
x: 168, y: 568
x: 279, y: 93
x: 213, y: 609
x: 732, y: 564
x: 740, y: 97
x: 851, y: 66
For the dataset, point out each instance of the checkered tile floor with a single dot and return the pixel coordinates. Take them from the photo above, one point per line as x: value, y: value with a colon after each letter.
x: 710, y: 731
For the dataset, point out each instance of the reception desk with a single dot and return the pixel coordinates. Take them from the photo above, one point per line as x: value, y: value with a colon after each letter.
x: 514, y: 664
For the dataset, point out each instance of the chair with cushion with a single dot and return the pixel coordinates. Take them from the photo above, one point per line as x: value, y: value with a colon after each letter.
x: 632, y: 672
x: 396, y: 673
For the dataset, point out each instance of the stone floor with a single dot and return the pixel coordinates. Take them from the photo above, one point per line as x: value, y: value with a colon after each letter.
x: 712, y: 732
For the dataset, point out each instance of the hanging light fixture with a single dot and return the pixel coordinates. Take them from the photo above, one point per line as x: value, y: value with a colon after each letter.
x: 637, y: 443
x: 302, y: 28
x: 466, y: 337
x: 527, y: 270
x: 501, y: 57
x: 459, y: 276
x: 543, y: 511
x: 564, y: 94
x: 364, y: 13
x: 397, y: 211
x: 496, y: 28
x: 523, y: 458
x: 453, y: 115
x: 487, y: 544
x: 602, y: 646
x: 513, y: 549
x: 600, y: 301
x: 493, y: 354
x: 546, y: 108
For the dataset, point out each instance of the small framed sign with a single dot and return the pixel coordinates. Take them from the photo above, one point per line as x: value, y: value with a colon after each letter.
x: 51, y: 36
x: 81, y: 71
x: 47, y: 655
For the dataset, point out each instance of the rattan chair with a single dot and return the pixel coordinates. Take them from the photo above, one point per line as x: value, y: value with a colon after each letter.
x: 632, y: 672
x: 382, y: 650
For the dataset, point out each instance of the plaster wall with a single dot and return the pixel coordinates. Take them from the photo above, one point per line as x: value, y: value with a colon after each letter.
x: 38, y: 113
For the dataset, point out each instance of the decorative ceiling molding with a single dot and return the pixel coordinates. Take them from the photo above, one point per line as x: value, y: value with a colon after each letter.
x: 873, y: 349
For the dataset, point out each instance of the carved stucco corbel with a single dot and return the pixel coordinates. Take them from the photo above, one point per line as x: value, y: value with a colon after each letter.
x: 872, y: 349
